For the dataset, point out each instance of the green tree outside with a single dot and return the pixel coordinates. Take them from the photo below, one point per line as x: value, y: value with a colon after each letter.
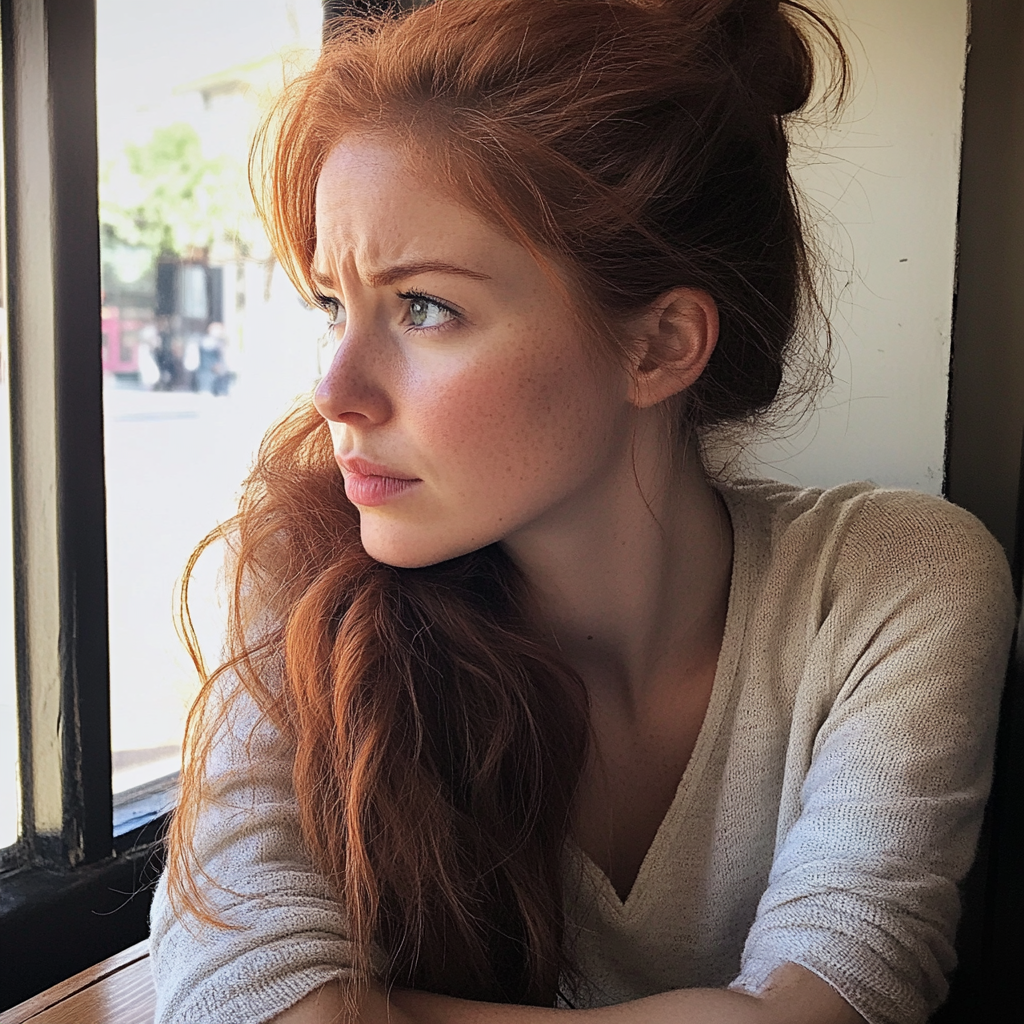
x: 167, y: 197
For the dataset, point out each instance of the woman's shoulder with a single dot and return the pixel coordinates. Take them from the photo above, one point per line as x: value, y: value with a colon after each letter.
x: 862, y: 534
x: 862, y: 512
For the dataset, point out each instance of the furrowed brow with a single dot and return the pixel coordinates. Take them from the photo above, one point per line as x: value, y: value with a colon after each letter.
x: 403, y: 271
x: 323, y: 280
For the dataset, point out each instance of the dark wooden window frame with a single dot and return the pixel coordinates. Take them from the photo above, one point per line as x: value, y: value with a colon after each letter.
x: 72, y: 892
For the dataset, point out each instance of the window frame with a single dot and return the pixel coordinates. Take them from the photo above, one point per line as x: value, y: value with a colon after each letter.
x: 57, y: 428
x: 69, y: 886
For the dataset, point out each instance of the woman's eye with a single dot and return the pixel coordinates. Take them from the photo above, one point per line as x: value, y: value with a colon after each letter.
x: 333, y: 308
x: 426, y: 313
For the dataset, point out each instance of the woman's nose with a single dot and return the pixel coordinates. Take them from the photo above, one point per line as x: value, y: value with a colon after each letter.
x: 352, y: 390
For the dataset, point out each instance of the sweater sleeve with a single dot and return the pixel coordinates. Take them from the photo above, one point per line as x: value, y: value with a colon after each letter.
x: 286, y: 934
x: 863, y: 886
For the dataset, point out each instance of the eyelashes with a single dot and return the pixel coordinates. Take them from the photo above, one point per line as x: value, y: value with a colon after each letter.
x: 423, y: 308
x: 332, y: 307
x: 423, y: 312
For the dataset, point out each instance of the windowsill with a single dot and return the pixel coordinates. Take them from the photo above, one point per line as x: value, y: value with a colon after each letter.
x: 138, y: 806
x: 54, y: 924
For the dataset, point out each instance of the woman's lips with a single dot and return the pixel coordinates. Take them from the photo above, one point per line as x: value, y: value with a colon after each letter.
x: 369, y: 484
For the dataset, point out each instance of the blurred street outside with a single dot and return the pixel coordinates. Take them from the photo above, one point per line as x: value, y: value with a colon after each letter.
x: 175, y: 463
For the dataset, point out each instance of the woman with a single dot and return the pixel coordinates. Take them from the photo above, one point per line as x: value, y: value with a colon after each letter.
x: 524, y: 714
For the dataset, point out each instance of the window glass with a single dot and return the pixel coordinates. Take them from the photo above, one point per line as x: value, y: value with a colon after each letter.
x: 205, y: 340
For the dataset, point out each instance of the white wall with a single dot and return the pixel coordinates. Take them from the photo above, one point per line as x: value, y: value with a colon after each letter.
x: 886, y: 184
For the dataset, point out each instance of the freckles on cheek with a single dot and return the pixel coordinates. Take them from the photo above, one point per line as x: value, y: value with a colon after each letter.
x: 470, y: 419
x: 492, y: 424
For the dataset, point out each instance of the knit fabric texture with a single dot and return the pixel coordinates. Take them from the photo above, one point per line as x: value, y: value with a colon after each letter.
x: 829, y: 809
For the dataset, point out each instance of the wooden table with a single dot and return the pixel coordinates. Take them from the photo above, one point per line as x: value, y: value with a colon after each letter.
x: 117, y: 991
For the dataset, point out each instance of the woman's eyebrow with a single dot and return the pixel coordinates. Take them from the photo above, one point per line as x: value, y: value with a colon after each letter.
x: 403, y: 271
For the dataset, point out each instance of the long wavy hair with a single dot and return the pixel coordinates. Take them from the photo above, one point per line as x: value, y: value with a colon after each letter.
x: 632, y: 146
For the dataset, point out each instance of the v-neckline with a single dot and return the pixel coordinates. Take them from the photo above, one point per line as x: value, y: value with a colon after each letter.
x: 721, y: 689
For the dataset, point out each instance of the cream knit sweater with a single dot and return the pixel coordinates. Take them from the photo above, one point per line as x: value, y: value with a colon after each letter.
x: 831, y: 804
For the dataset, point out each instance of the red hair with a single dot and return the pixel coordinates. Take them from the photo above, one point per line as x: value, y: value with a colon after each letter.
x: 634, y: 145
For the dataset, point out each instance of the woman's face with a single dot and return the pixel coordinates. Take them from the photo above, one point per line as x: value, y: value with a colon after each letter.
x: 465, y: 403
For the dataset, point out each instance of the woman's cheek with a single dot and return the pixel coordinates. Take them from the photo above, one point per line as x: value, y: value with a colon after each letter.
x: 493, y: 425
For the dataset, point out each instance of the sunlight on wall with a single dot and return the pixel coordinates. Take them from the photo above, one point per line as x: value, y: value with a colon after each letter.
x: 884, y: 185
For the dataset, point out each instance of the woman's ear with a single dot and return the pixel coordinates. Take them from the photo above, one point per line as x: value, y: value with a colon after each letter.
x: 673, y: 341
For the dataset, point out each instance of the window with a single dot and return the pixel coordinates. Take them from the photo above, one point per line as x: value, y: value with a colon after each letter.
x: 143, y: 371
x: 204, y: 339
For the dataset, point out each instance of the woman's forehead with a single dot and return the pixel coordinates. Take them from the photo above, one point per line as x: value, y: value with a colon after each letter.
x: 375, y: 204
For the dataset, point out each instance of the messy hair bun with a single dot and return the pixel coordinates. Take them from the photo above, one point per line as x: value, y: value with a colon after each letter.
x: 771, y: 56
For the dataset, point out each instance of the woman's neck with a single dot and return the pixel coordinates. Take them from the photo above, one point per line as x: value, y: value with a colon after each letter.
x: 632, y: 579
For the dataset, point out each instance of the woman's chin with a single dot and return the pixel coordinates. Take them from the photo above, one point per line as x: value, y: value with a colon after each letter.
x: 411, y: 549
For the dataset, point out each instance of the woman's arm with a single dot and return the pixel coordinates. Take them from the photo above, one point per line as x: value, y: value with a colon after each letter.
x: 793, y: 996
x: 327, y: 1006
x: 286, y: 933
